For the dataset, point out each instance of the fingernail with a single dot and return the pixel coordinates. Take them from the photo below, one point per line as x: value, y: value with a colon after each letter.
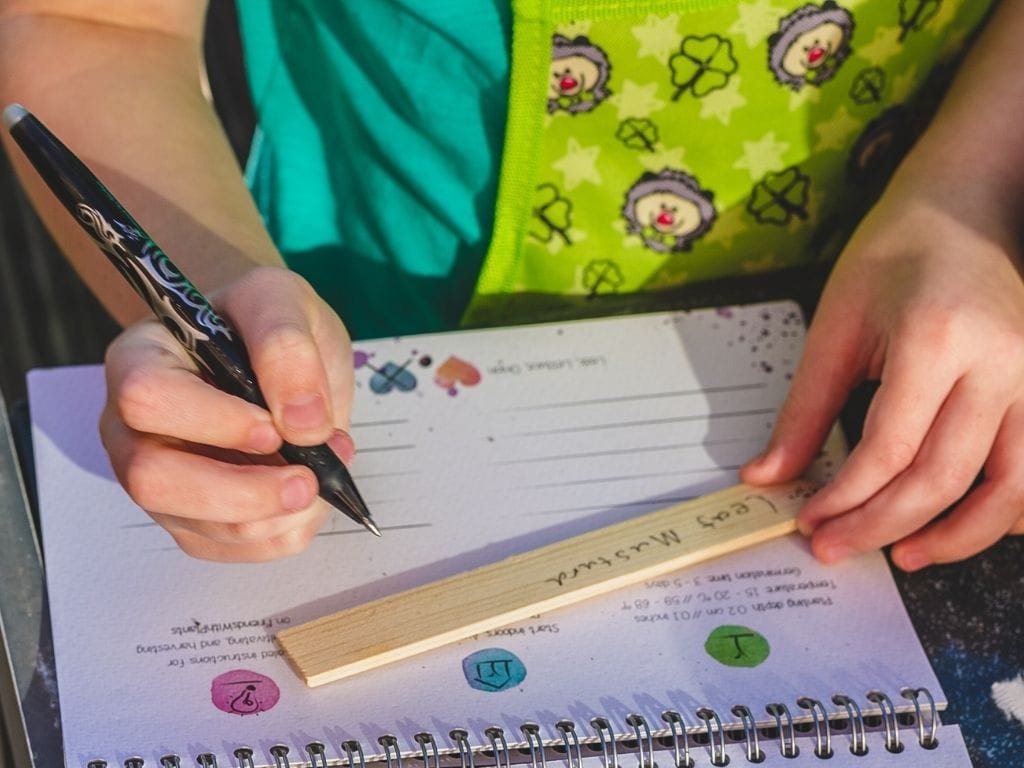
x: 263, y: 438
x: 912, y: 560
x: 341, y: 443
x: 305, y: 412
x: 297, y: 493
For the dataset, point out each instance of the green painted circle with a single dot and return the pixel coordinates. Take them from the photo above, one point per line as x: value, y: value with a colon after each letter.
x: 736, y: 646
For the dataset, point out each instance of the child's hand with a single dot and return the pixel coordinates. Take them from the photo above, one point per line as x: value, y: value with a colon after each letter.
x: 927, y: 299
x: 202, y: 462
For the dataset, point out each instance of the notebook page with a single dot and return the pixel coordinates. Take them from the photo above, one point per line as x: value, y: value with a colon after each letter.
x: 472, y: 447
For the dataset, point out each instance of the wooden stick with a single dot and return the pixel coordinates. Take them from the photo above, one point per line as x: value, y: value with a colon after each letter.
x: 426, y: 617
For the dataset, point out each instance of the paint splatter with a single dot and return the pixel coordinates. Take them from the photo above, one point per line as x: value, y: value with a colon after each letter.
x: 242, y: 692
x: 392, y: 376
x: 493, y: 670
x: 736, y: 646
x: 455, y: 371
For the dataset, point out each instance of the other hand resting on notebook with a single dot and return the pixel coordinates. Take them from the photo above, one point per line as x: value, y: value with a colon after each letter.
x: 927, y: 298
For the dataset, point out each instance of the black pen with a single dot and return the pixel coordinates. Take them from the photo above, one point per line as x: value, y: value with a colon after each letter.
x: 183, y: 310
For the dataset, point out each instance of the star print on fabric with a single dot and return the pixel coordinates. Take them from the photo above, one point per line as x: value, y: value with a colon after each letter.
x: 762, y: 264
x: 635, y: 100
x: 578, y: 164
x: 723, y: 102
x: 903, y: 85
x: 729, y: 224
x: 807, y: 95
x: 762, y: 156
x: 757, y: 20
x: 574, y: 29
x: 630, y: 240
x: 664, y: 157
x: 556, y: 244
x: 836, y: 133
x: 942, y: 19
x: 658, y: 37
x: 883, y: 46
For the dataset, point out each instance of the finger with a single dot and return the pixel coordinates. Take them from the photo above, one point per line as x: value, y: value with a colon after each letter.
x: 289, y: 542
x: 949, y: 460
x: 271, y: 310
x: 166, y: 478
x: 828, y: 370
x: 249, y: 533
x: 336, y: 347
x: 993, y: 509
x: 155, y: 389
x: 898, y: 419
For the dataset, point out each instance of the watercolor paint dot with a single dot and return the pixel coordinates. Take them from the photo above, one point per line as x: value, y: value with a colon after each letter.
x: 243, y: 692
x: 737, y: 646
x: 360, y: 358
x: 493, y: 670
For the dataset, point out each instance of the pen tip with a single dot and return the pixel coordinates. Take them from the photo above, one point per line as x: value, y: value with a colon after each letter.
x: 372, y: 527
x: 13, y: 113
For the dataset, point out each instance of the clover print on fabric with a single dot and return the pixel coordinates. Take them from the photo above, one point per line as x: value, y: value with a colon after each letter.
x: 703, y: 64
x: 914, y: 14
x: 778, y: 197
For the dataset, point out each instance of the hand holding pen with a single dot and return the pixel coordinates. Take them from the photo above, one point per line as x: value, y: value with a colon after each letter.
x: 163, y: 430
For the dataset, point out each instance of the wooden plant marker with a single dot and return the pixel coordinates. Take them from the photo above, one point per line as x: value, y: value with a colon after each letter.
x: 559, y: 574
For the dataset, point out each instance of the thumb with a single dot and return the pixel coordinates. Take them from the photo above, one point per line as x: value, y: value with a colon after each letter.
x: 828, y: 370
x: 272, y: 309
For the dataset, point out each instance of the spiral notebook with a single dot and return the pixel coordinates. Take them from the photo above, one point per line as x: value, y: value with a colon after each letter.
x: 473, y: 446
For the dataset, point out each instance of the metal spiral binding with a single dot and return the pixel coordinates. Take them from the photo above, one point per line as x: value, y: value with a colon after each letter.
x: 754, y: 752
x: 822, y: 732
x: 499, y: 745
x: 461, y: 738
x: 533, y: 740
x: 317, y: 754
x: 609, y: 748
x: 638, y: 724
x: 392, y: 754
x: 571, y: 741
x: 788, y: 747
x: 929, y: 740
x: 892, y: 728
x: 280, y: 754
x: 425, y: 740
x: 718, y: 756
x: 352, y: 750
x: 676, y: 738
x: 859, y: 743
x: 677, y: 726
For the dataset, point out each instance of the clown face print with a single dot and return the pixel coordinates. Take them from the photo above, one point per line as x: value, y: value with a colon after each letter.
x: 578, y: 75
x: 668, y: 210
x: 810, y: 44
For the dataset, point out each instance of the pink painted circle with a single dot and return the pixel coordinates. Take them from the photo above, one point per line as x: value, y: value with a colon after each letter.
x: 241, y: 692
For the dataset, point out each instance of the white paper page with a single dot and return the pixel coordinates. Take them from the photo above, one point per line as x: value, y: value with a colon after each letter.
x: 569, y: 427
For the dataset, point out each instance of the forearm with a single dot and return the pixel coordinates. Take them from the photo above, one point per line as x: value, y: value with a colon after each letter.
x: 128, y: 101
x: 975, y: 144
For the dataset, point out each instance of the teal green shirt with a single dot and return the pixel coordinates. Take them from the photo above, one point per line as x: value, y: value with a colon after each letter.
x: 376, y: 157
